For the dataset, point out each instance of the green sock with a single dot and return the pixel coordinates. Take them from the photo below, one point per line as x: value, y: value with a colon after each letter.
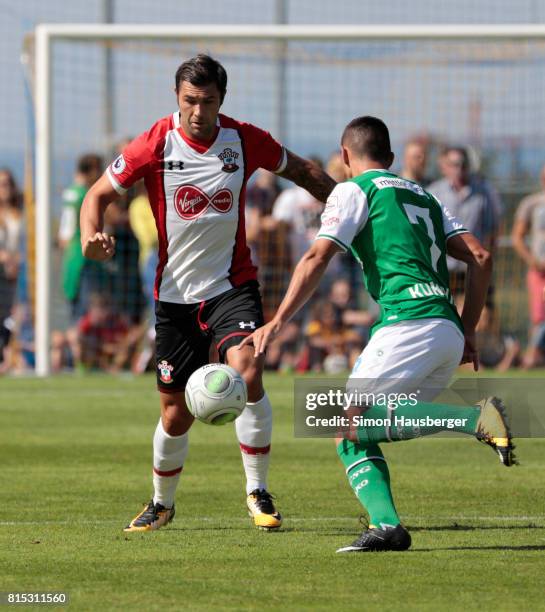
x: 368, y: 475
x: 402, y: 425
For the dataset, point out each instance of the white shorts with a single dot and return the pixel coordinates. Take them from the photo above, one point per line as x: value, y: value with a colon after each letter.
x: 418, y: 355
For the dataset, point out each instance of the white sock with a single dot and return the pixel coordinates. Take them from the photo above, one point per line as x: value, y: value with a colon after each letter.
x: 254, y: 431
x: 169, y: 453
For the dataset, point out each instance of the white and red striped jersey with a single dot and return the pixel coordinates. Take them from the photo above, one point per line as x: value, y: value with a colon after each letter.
x: 197, y: 196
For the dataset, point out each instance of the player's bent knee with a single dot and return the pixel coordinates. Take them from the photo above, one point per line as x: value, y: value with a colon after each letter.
x: 175, y: 416
x: 176, y: 423
x: 251, y: 370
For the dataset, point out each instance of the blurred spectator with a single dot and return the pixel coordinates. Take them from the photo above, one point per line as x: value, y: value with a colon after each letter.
x: 125, y: 282
x: 530, y: 224
x: 11, y: 197
x: 80, y: 276
x: 323, y: 336
x: 473, y: 201
x: 335, y: 167
x: 10, y: 233
x: 496, y: 350
x: 301, y: 211
x: 356, y: 322
x: 102, y: 336
x: 143, y: 225
x: 335, y: 334
x: 22, y: 320
x: 62, y: 344
x: 283, y: 352
x: 344, y: 264
x: 10, y: 194
x: 263, y: 191
x: 125, y: 279
x: 142, y: 222
x: 415, y: 161
x: 268, y: 240
x: 260, y: 197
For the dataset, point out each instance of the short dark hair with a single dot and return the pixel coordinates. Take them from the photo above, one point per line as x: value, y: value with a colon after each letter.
x: 462, y: 151
x: 88, y: 163
x: 368, y: 137
x: 202, y: 70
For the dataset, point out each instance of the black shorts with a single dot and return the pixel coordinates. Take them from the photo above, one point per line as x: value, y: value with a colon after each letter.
x: 185, y: 332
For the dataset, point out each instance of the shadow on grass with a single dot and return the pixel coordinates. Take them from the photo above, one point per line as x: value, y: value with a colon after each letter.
x: 328, y: 530
x: 513, y: 548
x: 331, y: 531
x: 346, y: 529
x: 187, y: 528
x: 457, y: 527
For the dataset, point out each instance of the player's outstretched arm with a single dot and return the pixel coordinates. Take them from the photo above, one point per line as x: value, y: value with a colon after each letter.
x: 305, y: 279
x: 468, y: 249
x: 95, y: 244
x: 308, y: 175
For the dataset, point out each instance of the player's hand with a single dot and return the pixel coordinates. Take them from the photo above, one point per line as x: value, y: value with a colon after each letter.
x: 471, y: 355
x: 350, y: 431
x: 262, y: 337
x: 99, y: 247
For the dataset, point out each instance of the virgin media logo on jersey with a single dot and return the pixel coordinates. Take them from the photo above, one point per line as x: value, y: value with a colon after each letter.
x: 191, y: 202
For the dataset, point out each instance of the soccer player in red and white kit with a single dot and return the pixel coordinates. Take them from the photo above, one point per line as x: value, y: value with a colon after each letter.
x: 195, y: 164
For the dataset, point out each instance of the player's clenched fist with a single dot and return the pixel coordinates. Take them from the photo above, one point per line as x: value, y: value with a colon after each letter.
x: 99, y: 247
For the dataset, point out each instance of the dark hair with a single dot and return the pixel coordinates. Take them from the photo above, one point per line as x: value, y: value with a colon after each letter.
x: 202, y: 70
x: 15, y: 197
x: 462, y: 151
x: 88, y: 163
x: 368, y: 137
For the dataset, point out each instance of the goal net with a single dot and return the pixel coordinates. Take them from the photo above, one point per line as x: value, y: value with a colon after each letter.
x: 95, y: 87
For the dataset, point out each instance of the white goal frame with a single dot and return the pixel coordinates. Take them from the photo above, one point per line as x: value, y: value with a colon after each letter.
x: 47, y: 34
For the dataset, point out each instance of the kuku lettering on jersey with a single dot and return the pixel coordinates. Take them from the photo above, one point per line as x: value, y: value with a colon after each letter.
x: 421, y: 290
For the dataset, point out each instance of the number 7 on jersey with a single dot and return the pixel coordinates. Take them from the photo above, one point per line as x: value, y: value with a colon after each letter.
x: 416, y: 212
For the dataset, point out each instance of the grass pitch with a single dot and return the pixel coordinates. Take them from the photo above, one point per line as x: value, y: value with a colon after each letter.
x: 75, y: 456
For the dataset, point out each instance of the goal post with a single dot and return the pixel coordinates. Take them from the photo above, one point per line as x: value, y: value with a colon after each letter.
x: 317, y: 38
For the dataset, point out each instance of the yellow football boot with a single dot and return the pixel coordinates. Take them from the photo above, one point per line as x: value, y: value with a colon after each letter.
x: 492, y: 429
x: 261, y: 509
x: 152, y: 517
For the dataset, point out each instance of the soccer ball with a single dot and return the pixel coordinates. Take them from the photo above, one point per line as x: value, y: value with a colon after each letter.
x: 216, y: 394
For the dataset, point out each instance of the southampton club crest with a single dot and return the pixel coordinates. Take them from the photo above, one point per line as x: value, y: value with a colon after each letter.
x: 229, y: 159
x: 165, y: 370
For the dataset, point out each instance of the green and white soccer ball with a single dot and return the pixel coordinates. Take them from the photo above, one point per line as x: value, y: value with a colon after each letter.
x: 216, y: 394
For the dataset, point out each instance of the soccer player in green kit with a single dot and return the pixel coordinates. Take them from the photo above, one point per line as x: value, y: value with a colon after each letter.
x: 401, y: 235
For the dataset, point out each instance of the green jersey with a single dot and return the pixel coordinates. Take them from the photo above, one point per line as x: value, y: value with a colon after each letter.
x: 74, y: 262
x: 398, y: 232
x: 73, y: 259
